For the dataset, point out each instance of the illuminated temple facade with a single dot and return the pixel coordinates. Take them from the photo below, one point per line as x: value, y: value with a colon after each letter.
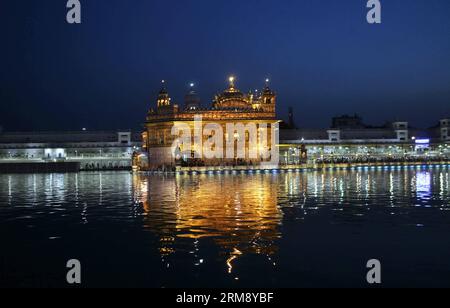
x: 229, y: 107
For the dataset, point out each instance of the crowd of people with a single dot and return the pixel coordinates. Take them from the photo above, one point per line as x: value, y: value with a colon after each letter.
x: 390, y: 159
x: 201, y: 163
x: 380, y: 159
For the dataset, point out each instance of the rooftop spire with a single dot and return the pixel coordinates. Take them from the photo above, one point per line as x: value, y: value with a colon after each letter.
x: 192, y: 100
x: 232, y: 79
x: 163, y: 97
x: 163, y: 86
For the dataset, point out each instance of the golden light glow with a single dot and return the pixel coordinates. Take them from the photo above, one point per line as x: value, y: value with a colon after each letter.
x: 232, y: 80
x: 240, y: 214
x: 234, y: 255
x: 256, y: 106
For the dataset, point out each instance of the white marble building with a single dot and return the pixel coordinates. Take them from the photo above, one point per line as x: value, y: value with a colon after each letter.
x: 351, y: 139
x: 92, y: 149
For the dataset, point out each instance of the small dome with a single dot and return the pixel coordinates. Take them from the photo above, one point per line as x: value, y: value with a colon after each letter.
x: 268, y: 91
x: 192, y: 100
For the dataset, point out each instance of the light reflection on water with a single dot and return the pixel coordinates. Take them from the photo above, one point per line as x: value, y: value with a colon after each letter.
x: 235, y: 216
x: 240, y: 213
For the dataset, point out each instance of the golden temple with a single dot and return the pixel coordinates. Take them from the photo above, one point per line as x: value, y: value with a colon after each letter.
x: 229, y: 107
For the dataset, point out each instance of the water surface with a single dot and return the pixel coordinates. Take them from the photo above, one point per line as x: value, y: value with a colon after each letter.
x: 315, y: 229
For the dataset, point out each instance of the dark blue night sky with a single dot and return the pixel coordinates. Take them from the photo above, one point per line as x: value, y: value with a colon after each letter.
x: 322, y: 56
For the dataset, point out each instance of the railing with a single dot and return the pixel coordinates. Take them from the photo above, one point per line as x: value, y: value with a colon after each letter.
x: 69, y: 158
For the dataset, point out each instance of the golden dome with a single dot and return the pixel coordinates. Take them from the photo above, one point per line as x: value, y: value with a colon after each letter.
x: 232, y: 98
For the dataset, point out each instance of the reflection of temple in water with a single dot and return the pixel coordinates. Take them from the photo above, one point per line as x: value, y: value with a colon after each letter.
x: 239, y: 213
x: 242, y: 214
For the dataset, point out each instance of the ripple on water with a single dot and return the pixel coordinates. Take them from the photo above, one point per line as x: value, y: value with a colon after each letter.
x: 233, y: 215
